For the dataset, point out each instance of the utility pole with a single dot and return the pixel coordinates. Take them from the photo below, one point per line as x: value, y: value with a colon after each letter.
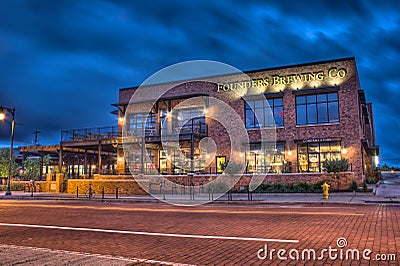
x: 36, y: 140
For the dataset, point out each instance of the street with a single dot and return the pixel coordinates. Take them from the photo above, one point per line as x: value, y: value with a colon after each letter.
x: 390, y: 185
x: 81, y: 233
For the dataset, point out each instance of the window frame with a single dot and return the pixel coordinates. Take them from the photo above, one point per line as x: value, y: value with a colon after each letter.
x: 317, y: 152
x: 306, y: 103
x: 255, y: 124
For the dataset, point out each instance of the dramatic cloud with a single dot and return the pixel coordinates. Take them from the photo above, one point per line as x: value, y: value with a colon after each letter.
x: 62, y: 62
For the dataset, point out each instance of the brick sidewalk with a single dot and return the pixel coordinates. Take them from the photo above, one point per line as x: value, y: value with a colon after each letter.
x: 374, y: 227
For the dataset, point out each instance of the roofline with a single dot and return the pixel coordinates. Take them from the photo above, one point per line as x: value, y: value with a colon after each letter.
x: 251, y: 71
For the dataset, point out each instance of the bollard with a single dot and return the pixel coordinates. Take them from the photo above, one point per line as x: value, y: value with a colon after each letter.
x: 102, y: 194
x: 90, y: 191
x: 116, y: 192
x: 183, y: 189
x: 192, y: 191
x: 210, y: 193
x: 77, y: 191
x: 173, y: 189
x: 229, y: 195
x: 201, y: 188
x: 249, y: 194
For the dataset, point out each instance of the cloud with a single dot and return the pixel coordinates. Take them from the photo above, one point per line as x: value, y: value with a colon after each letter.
x: 63, y: 62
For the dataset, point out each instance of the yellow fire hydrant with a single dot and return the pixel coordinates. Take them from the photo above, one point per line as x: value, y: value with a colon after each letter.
x: 325, y: 190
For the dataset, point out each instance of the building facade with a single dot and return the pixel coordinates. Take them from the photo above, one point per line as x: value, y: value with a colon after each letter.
x: 319, y: 112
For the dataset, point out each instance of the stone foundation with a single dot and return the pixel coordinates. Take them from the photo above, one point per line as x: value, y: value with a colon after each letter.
x: 124, y: 186
x: 127, y: 185
x: 345, y: 179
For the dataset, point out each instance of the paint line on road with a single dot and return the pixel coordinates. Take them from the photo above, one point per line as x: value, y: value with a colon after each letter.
x: 102, y: 256
x: 151, y: 233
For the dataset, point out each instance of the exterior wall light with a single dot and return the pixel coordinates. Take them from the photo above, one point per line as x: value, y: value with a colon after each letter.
x: 344, y: 151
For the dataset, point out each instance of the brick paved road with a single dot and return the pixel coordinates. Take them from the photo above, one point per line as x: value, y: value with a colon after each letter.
x: 196, y: 235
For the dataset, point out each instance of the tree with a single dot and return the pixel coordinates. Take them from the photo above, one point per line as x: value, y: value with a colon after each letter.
x: 5, y: 162
x: 231, y: 169
x: 336, y: 166
x: 33, y: 166
x: 46, y: 160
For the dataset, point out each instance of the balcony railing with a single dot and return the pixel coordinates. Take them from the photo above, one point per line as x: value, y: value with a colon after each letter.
x: 198, y: 128
x: 85, y: 134
x: 155, y: 130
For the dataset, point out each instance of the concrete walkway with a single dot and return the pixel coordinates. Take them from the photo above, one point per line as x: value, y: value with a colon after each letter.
x: 389, y: 186
x: 237, y: 198
x: 388, y: 192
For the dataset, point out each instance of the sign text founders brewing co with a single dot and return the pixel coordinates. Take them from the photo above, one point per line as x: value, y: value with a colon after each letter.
x: 332, y: 73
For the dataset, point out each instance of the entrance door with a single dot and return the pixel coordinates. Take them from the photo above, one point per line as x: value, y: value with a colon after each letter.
x: 163, y: 162
x: 220, y: 160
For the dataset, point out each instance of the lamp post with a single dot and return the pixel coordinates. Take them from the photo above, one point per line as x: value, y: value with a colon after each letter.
x: 2, y: 117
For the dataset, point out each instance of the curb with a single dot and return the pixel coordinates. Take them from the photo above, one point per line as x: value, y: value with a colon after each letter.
x: 216, y: 202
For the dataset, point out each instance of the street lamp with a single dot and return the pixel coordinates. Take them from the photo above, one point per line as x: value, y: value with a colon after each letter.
x: 2, y: 117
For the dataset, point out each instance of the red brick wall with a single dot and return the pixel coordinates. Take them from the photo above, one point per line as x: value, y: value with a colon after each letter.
x: 293, y: 178
x: 349, y: 128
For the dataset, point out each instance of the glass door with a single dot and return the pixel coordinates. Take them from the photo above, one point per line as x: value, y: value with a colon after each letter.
x: 220, y: 162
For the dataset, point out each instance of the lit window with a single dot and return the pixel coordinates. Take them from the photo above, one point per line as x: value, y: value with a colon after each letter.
x: 266, y: 158
x: 310, y: 156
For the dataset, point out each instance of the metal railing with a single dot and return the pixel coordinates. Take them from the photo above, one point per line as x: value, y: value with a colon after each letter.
x: 195, y: 127
x: 96, y: 133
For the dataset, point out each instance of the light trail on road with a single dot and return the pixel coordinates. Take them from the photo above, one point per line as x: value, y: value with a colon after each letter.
x: 187, y: 210
x: 151, y: 233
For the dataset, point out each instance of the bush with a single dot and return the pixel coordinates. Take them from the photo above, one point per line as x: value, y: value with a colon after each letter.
x: 365, y: 188
x: 301, y: 187
x: 371, y: 180
x: 353, y: 186
x: 14, y: 186
x: 336, y: 165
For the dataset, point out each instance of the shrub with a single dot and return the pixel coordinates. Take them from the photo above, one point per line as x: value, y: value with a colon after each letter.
x: 317, y: 186
x: 336, y: 165
x: 353, y: 186
x: 301, y: 187
x: 14, y: 186
x: 371, y: 180
x: 304, y: 187
x: 365, y: 188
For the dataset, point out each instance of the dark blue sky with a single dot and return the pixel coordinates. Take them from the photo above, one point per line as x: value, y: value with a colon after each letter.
x: 62, y: 62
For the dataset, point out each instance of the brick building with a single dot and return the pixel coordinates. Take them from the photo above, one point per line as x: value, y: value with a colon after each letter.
x: 319, y: 112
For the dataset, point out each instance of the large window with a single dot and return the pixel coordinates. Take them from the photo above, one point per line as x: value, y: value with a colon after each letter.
x: 189, y: 118
x: 265, y: 158
x: 310, y: 156
x: 260, y: 109
x: 317, y: 108
x: 135, y: 161
x: 142, y: 121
